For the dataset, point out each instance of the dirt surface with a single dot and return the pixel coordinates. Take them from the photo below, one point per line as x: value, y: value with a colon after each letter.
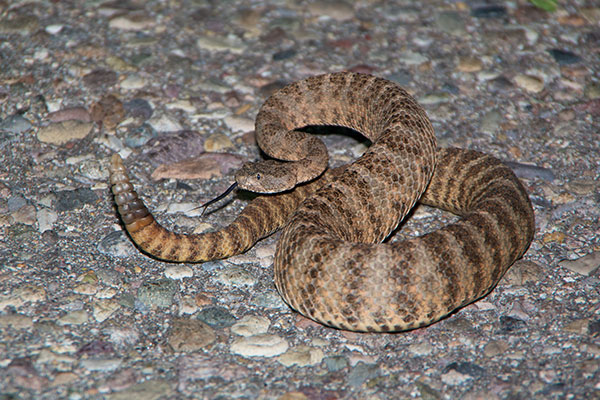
x: 174, y: 88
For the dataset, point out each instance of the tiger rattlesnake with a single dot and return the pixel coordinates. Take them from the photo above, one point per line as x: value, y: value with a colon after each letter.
x: 330, y: 262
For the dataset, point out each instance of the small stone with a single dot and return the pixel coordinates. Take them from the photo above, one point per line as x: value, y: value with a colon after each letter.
x: 263, y: 345
x: 495, y: 347
x: 469, y: 64
x: 157, y: 293
x: 132, y: 22
x: 65, y: 378
x: 511, y: 325
x: 301, y: 356
x: 138, y: 108
x: 334, y: 9
x: 117, y: 244
x: 100, y: 78
x: 133, y: 82
x: 335, y: 363
x: 215, y: 43
x: 412, y: 58
x: 104, y: 308
x: 235, y: 276
x: 204, y: 166
x: 63, y: 132
x: 68, y: 200
x: 361, y: 373
x: 450, y: 22
x: 530, y: 83
x: 217, y: 142
x: 174, y: 147
x: 217, y: 317
x: 490, y: 122
x: 489, y: 11
x: 189, y: 335
x: 564, y: 57
x: 72, y: 113
x: 179, y: 272
x: 122, y: 336
x: 239, y: 124
x: 454, y: 378
x: 435, y: 98
x: 86, y: 288
x: 21, y: 24
x: 251, y: 325
x: 15, y: 321
x: 586, y: 265
x: 421, y: 349
x: 103, y: 365
x: 77, y: 317
x: 164, y: 123
x: 153, y: 389
x: 15, y: 124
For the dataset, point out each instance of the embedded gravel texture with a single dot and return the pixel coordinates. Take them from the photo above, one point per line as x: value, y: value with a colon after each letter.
x: 174, y: 86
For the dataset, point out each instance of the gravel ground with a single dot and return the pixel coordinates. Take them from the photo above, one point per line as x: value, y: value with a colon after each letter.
x: 83, y: 314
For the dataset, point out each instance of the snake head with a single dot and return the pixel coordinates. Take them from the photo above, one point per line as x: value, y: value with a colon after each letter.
x: 267, y: 176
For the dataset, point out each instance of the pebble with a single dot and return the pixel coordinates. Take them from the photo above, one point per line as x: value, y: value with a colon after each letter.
x: 63, y: 132
x: 117, y: 244
x: 217, y: 142
x: 133, y: 82
x: 15, y: 321
x: 138, y: 108
x: 217, y: 43
x: 157, y: 293
x: 489, y: 11
x: 152, y: 389
x: 251, y: 325
x: 564, y: 57
x: 235, y: 277
x: 334, y: 9
x: 100, y: 78
x: 122, y: 336
x: 490, y: 122
x: 301, y: 356
x: 239, y: 124
x: 174, y: 146
x: 495, y: 348
x: 132, y: 22
x: 421, y: 348
x: 469, y: 64
x: 164, y: 123
x: 262, y: 345
x: 454, y: 378
x: 187, y: 335
x: 450, y: 22
x: 530, y: 83
x: 204, y: 166
x: 76, y: 317
x: 68, y: 200
x: 362, y: 372
x: 586, y: 265
x: 178, y: 272
x: 21, y: 24
x: 104, y: 309
x: 71, y: 113
x: 217, y: 317
x: 335, y: 363
x: 15, y: 124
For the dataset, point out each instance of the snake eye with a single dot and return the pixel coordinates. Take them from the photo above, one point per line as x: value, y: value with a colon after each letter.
x: 258, y: 177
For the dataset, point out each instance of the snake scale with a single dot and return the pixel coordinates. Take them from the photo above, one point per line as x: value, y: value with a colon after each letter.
x: 331, y: 263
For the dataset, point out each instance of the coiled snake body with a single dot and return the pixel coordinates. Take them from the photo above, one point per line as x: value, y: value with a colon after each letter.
x: 330, y: 263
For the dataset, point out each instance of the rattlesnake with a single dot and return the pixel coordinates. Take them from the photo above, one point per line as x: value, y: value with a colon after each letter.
x: 330, y: 262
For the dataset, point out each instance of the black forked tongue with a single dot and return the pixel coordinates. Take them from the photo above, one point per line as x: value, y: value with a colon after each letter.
x: 219, y: 197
